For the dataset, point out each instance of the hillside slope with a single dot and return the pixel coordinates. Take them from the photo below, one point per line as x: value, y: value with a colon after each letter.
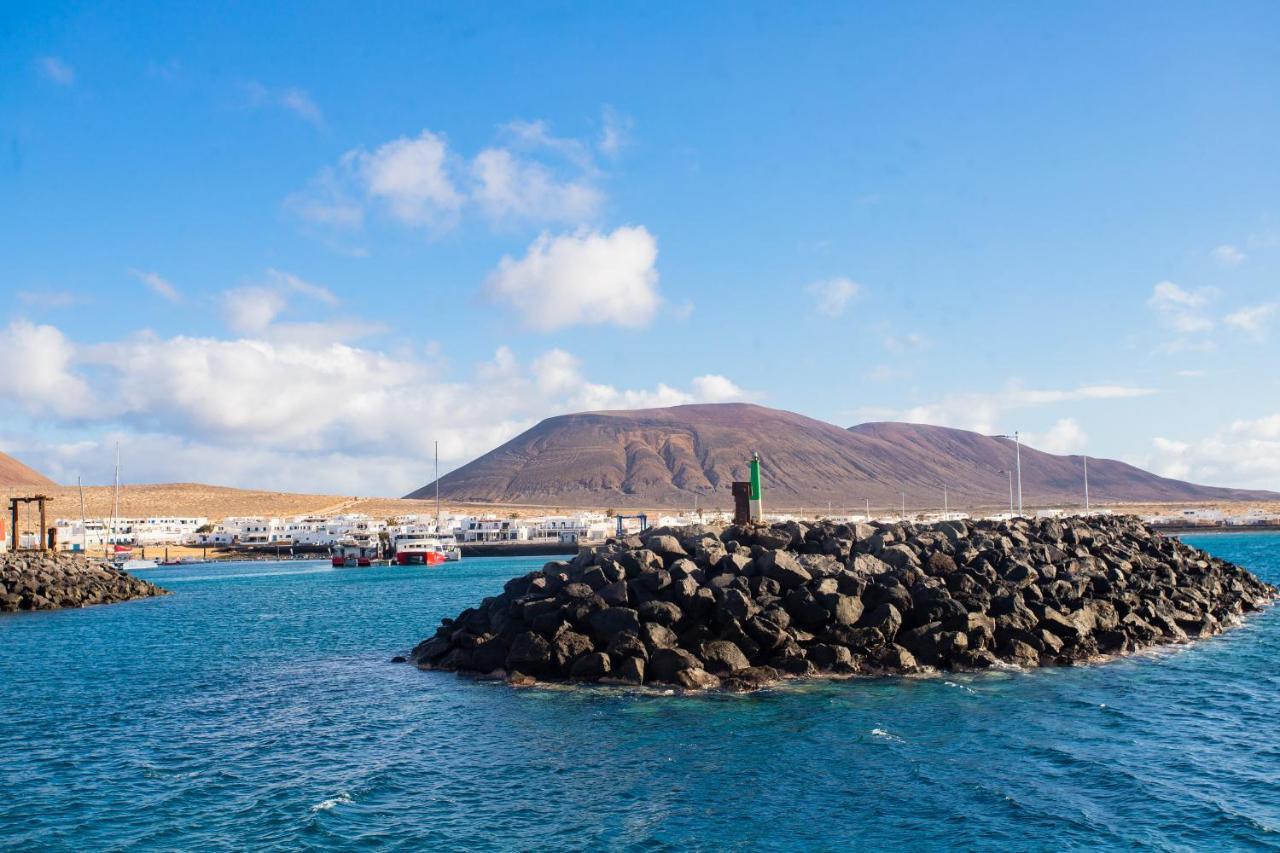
x: 670, y: 457
x: 14, y: 473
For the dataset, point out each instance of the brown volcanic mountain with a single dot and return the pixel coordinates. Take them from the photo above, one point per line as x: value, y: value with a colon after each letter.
x: 669, y: 457
x: 14, y: 473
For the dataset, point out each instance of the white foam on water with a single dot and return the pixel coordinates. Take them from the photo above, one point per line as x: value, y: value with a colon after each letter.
x: 879, y: 732
x: 341, y: 800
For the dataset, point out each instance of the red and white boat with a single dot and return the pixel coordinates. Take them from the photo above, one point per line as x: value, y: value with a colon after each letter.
x: 422, y: 549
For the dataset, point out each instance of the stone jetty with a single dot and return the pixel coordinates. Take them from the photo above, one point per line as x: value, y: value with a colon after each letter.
x: 46, y: 581
x: 741, y: 607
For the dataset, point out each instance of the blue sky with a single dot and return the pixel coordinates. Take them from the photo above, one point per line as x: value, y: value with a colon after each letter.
x: 292, y: 246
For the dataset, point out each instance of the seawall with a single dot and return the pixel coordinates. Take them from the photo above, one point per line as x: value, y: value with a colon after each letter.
x: 44, y: 581
x: 742, y: 607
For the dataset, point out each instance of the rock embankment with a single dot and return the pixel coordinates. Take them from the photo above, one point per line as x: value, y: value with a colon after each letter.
x: 741, y: 607
x: 35, y: 581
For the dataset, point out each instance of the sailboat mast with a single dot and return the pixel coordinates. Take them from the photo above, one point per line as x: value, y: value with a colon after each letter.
x: 437, y: 487
x: 115, y: 497
x: 84, y: 532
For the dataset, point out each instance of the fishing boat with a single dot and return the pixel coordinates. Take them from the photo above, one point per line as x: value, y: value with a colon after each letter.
x: 356, y: 551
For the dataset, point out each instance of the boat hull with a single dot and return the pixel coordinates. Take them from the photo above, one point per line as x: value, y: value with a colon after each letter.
x: 420, y: 558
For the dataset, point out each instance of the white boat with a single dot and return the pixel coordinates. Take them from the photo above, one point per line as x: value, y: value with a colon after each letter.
x: 134, y: 565
x: 419, y: 548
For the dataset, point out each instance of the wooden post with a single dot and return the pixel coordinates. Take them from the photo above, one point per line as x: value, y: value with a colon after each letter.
x: 43, y: 528
x: 13, y: 530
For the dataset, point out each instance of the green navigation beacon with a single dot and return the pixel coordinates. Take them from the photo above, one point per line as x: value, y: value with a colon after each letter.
x: 757, y: 509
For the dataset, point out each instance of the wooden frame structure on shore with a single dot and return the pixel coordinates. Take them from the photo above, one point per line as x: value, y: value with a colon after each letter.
x: 42, y: 537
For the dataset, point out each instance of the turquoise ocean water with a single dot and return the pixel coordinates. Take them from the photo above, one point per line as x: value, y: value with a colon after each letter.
x: 256, y: 708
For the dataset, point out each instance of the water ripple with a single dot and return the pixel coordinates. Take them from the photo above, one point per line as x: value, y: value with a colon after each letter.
x: 255, y: 708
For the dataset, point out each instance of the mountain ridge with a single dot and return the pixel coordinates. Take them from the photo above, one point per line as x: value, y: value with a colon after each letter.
x: 15, y: 473
x: 672, y: 457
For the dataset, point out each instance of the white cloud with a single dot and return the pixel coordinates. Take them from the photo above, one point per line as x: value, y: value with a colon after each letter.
x: 158, y: 284
x: 1181, y: 310
x: 615, y: 133
x: 56, y: 70
x: 411, y: 178
x: 902, y: 343
x: 510, y: 188
x: 986, y: 412
x: 254, y: 310
x: 1253, y: 320
x: 292, y: 100
x: 586, y: 278
x: 251, y: 310
x: 534, y: 176
x: 1244, y: 454
x: 833, y: 295
x: 1064, y: 437
x: 304, y: 415
x: 1228, y: 256
x: 714, y: 388
x: 37, y: 372
x: 300, y: 104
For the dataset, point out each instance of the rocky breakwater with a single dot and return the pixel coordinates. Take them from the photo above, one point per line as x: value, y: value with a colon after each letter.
x: 742, y: 607
x: 36, y: 581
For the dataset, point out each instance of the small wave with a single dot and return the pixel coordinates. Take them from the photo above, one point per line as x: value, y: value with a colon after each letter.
x: 961, y: 686
x: 341, y: 800
x: 879, y: 732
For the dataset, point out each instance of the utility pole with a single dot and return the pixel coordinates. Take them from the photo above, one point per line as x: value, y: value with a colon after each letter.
x: 1017, y: 458
x: 1086, y: 484
x: 904, y: 506
x: 1017, y: 451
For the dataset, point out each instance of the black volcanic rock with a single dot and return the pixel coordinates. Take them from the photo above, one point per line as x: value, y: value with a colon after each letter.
x: 1065, y: 591
x: 669, y: 457
x: 45, y: 581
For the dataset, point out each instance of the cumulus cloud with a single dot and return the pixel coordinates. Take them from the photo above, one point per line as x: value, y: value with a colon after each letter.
x: 510, y: 188
x: 410, y: 176
x: 56, y: 70
x: 1244, y: 454
x: 1183, y: 311
x: 532, y: 176
x: 254, y: 310
x: 1064, y: 437
x: 1228, y: 256
x: 1254, y: 320
x: 37, y: 372
x: 158, y: 285
x: 587, y: 278
x: 832, y: 296
x: 296, y: 414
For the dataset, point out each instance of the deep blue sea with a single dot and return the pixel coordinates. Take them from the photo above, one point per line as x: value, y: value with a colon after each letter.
x: 256, y: 708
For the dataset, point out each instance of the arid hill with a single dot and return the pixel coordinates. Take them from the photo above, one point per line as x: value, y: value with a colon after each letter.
x: 14, y: 473
x: 672, y: 457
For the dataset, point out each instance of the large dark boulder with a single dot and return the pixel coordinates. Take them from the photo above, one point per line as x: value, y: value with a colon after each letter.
x: 665, y: 663
x: 612, y: 621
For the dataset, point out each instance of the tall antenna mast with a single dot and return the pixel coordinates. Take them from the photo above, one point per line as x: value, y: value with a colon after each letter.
x: 437, y: 486
x: 1086, y: 483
